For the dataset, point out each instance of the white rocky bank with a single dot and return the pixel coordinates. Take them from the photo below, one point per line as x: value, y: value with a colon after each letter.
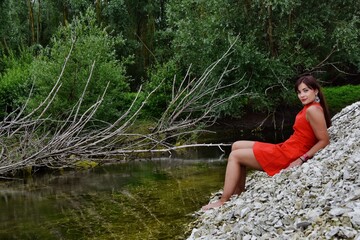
x: 318, y: 200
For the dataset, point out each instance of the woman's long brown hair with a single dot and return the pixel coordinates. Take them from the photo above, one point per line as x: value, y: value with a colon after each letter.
x: 312, y: 83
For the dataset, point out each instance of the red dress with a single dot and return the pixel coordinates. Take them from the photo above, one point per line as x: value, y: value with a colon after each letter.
x: 274, y: 157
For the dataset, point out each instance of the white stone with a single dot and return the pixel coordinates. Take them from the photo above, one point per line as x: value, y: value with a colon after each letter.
x: 355, y: 218
x: 318, y: 200
x: 339, y: 211
x: 332, y: 233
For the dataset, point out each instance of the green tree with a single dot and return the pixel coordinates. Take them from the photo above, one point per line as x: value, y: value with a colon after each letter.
x: 91, y: 44
x: 138, y: 21
x: 15, y: 81
x: 277, y: 41
x: 162, y: 75
x: 13, y: 31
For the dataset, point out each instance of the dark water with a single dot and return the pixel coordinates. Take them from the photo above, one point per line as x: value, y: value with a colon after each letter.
x: 149, y: 199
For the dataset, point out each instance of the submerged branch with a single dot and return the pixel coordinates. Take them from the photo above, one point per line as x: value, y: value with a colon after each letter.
x: 168, y: 149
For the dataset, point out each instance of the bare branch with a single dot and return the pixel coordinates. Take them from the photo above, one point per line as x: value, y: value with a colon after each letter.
x: 25, y: 140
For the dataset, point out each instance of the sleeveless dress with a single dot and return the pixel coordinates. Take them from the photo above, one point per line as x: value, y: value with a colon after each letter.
x: 275, y: 157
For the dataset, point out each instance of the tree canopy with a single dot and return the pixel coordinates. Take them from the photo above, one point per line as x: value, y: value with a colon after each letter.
x: 145, y: 42
x: 75, y: 75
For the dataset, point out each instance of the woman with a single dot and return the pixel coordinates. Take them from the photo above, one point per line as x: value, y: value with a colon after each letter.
x: 310, y: 135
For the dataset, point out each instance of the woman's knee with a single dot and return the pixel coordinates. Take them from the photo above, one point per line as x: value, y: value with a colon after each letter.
x: 237, y: 145
x: 242, y: 145
x: 235, y: 156
x: 244, y: 157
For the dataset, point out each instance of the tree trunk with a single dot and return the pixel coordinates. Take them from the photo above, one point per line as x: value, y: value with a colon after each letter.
x: 270, y: 33
x: 98, y: 10
x: 65, y: 13
x: 31, y: 22
x: 38, y: 28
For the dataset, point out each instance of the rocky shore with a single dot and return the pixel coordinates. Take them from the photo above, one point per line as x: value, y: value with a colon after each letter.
x: 318, y: 200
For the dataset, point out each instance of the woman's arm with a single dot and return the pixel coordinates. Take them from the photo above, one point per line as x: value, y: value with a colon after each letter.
x: 315, y: 116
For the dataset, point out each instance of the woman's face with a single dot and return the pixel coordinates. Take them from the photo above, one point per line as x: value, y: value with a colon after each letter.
x: 306, y: 94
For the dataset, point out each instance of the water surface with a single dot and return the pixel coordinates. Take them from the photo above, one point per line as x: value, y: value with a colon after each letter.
x: 150, y: 199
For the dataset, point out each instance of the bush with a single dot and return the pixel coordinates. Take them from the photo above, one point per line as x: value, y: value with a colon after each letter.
x: 15, y: 82
x: 340, y: 97
x: 163, y: 76
x: 92, y: 44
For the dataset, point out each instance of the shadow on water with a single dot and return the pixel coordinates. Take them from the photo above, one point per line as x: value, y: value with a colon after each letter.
x: 148, y: 199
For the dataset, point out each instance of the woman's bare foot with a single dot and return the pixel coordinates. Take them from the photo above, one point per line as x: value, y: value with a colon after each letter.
x: 216, y: 204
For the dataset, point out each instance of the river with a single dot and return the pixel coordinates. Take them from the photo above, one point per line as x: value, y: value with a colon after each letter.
x: 149, y: 199
x: 142, y: 199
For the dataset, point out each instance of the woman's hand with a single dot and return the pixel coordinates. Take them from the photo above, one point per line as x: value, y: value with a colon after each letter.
x: 295, y: 163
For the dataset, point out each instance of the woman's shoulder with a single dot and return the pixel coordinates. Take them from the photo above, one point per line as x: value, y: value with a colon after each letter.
x: 314, y: 110
x: 314, y: 107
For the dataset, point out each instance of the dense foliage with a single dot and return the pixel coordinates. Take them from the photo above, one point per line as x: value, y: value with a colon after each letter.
x: 149, y: 43
x: 278, y: 40
x: 91, y: 45
x: 338, y: 97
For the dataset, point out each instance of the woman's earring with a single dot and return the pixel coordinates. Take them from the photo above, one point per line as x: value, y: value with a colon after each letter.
x: 317, y: 99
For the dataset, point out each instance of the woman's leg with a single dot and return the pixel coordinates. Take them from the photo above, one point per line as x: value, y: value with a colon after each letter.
x: 240, y: 187
x: 241, y: 145
x: 236, y: 173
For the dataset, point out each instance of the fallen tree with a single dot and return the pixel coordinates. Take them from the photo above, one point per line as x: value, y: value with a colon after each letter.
x: 33, y: 139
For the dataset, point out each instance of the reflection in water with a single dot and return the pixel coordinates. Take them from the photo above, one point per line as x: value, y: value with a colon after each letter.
x: 149, y: 199
x: 139, y: 198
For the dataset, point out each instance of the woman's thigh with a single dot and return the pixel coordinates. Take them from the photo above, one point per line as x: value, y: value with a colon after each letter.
x: 245, y: 157
x: 242, y: 145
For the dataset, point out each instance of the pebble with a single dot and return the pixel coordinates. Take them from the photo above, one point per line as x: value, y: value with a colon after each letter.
x: 318, y: 200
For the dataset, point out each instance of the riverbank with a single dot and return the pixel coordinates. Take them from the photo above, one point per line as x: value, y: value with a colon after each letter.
x: 318, y: 200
